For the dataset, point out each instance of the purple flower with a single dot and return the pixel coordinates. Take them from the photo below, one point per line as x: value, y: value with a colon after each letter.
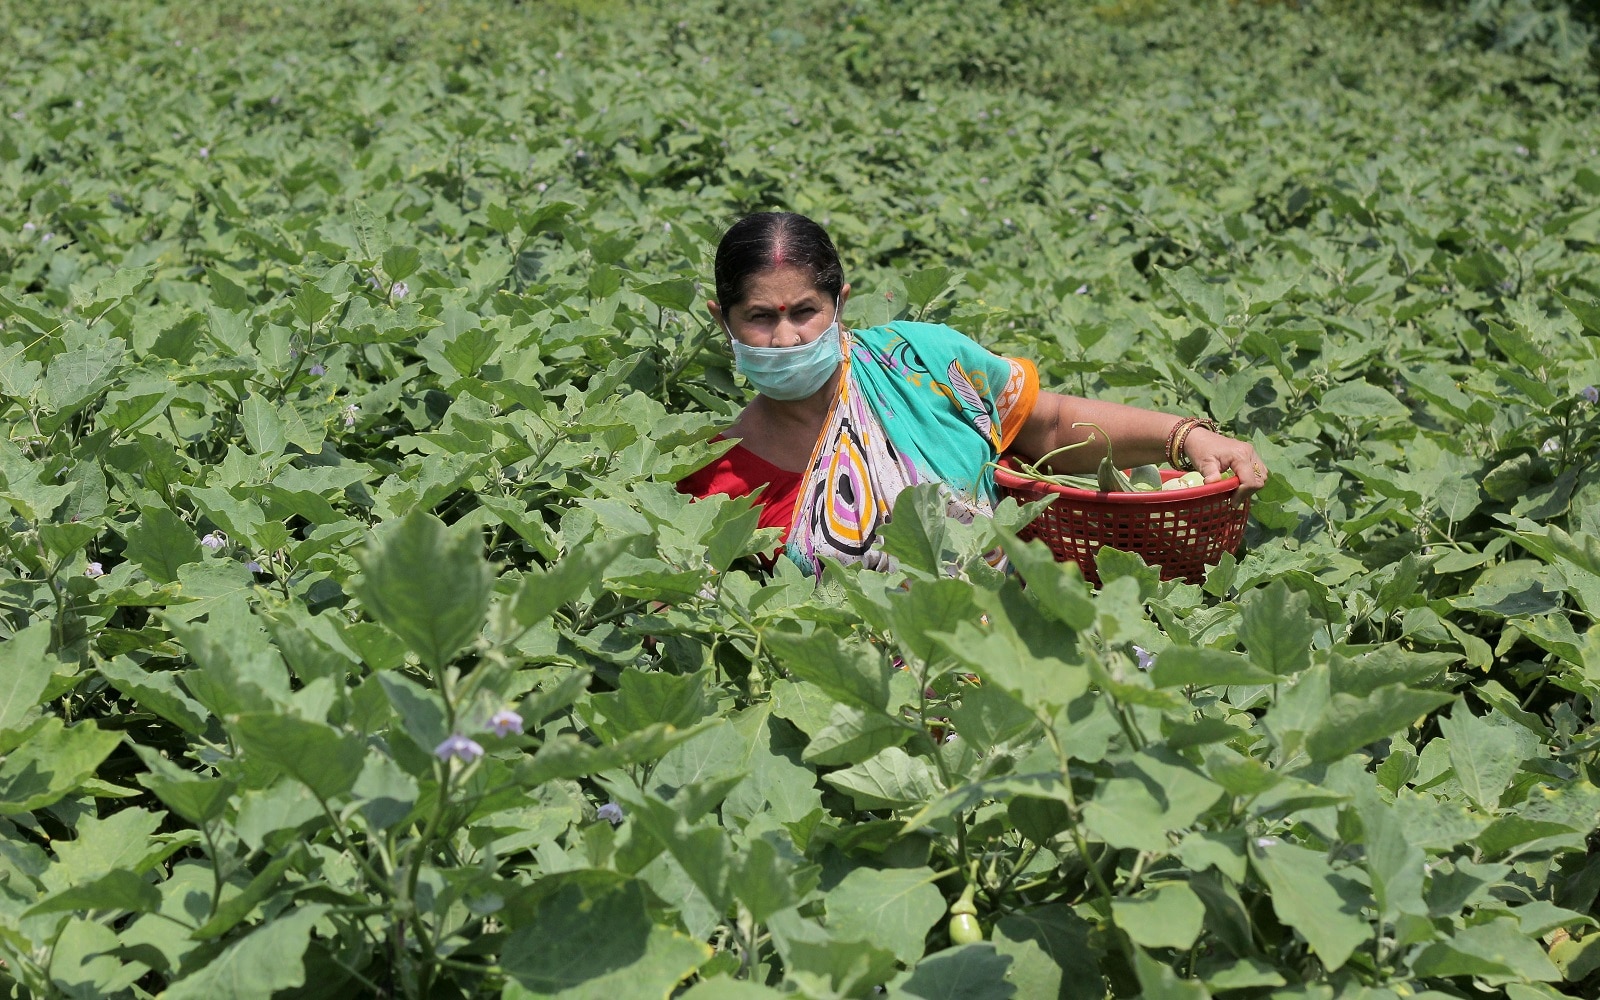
x: 214, y: 541
x: 93, y: 570
x: 205, y: 152
x: 1146, y: 658
x: 611, y: 813
x: 460, y: 747
x: 1590, y: 393
x: 505, y: 721
x: 318, y: 371
x: 350, y: 414
x: 253, y: 566
x: 400, y: 290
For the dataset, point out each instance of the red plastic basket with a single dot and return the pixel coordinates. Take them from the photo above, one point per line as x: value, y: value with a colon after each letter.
x: 1180, y: 531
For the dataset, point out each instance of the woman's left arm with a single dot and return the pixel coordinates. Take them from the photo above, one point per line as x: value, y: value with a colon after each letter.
x: 1138, y: 437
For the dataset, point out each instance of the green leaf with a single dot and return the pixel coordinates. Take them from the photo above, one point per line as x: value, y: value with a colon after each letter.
x: 1484, y: 755
x: 968, y: 972
x: 53, y: 763
x: 1497, y: 952
x: 1178, y: 666
x: 1058, y: 586
x: 825, y: 964
x: 1349, y: 723
x: 155, y: 691
x: 198, y: 800
x: 1168, y: 915
x: 401, y: 262
x: 1277, y: 629
x: 853, y: 673
x: 927, y: 286
x: 1361, y: 402
x: 255, y: 967
x: 1393, y: 863
x: 568, y: 580
x: 602, y: 946
x: 564, y: 756
x: 312, y: 753
x: 1149, y: 794
x: 777, y: 781
x: 1052, y: 952
x: 427, y: 585
x: 67, y: 538
x: 160, y: 543
x: 892, y: 907
x: 118, y: 889
x: 673, y: 293
x: 762, y: 879
x: 25, y: 669
x: 1588, y: 313
x: 1158, y: 981
x: 311, y: 303
x: 262, y: 426
x: 1308, y: 895
x: 890, y: 779
x: 930, y: 606
x: 722, y: 988
x: 918, y: 530
x: 645, y: 698
x: 1201, y: 298
x: 235, y: 909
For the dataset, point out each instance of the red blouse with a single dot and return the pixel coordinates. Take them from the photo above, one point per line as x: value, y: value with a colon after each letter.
x: 741, y: 472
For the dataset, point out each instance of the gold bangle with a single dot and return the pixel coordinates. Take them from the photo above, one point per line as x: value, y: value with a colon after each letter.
x: 1181, y: 427
x: 1186, y: 462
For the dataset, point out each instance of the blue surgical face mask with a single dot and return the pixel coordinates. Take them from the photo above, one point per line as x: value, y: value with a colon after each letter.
x: 790, y: 373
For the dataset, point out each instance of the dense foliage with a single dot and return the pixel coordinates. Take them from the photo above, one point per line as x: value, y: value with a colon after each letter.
x: 355, y: 641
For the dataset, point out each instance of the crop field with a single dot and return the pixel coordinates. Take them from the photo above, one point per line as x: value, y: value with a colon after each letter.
x: 355, y: 642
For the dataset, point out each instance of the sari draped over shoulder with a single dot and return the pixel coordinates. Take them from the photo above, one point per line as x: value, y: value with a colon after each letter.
x: 916, y: 403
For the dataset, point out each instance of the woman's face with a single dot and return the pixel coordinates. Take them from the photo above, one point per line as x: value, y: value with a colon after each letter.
x: 781, y: 308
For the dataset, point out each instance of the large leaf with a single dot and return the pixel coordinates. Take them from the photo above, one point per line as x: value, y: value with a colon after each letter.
x: 1168, y: 915
x: 1325, y: 906
x: 258, y: 965
x: 1349, y: 722
x: 601, y: 947
x: 851, y: 672
x: 1154, y: 792
x: 1053, y: 956
x: 161, y: 542
x: 970, y: 972
x: 893, y: 907
x: 1278, y: 629
x: 53, y: 763
x: 312, y: 753
x: 1483, y: 755
x: 427, y: 585
x: 24, y: 672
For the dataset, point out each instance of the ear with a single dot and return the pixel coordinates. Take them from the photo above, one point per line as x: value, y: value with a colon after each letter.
x: 716, y: 313
x: 844, y: 296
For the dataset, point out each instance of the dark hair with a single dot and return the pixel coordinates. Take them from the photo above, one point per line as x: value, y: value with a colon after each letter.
x: 765, y: 240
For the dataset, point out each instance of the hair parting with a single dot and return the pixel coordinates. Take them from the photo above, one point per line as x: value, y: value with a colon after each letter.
x: 764, y: 241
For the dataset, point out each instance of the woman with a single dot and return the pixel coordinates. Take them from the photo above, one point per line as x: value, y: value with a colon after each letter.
x: 843, y: 420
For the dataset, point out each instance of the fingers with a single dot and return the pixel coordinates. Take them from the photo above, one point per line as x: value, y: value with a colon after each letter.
x: 1214, y: 455
x: 1252, y: 472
